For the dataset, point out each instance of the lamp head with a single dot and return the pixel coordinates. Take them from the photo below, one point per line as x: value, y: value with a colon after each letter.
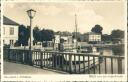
x: 31, y: 13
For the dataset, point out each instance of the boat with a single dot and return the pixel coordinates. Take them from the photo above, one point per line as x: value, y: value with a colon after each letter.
x: 91, y: 50
x: 85, y: 51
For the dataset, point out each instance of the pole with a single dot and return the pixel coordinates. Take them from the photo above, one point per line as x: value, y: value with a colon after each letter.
x: 31, y: 42
x: 31, y: 35
x: 76, y: 29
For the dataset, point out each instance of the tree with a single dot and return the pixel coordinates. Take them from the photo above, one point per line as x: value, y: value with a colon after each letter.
x: 47, y: 35
x: 106, y: 37
x: 23, y: 36
x: 117, y: 35
x: 97, y: 29
x: 36, y: 34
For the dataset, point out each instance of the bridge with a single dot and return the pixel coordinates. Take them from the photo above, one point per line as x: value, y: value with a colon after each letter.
x: 72, y: 63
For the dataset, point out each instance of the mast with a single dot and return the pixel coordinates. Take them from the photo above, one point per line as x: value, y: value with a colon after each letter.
x: 76, y: 30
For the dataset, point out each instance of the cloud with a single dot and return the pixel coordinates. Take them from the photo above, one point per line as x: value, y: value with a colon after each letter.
x: 50, y: 10
x: 87, y: 15
x: 91, y: 16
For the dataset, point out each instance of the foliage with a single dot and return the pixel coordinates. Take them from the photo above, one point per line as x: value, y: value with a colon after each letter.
x: 117, y: 34
x: 97, y: 29
x: 42, y: 35
x: 23, y: 36
x: 106, y: 37
x: 47, y: 35
x: 64, y: 33
x: 36, y: 34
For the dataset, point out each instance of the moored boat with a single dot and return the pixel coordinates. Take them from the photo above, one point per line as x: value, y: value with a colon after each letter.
x: 85, y: 51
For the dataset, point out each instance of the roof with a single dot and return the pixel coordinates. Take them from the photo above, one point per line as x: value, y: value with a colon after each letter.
x: 7, y: 21
x: 93, y: 33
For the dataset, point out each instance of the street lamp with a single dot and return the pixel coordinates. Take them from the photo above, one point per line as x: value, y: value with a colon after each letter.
x: 31, y: 13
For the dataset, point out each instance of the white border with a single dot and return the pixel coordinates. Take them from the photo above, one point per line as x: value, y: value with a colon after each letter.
x: 63, y: 78
x: 1, y: 41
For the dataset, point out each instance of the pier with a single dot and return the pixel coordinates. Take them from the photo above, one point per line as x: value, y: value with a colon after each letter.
x: 72, y: 63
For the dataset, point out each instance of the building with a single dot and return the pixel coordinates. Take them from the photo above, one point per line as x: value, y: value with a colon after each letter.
x: 57, y: 39
x: 10, y: 31
x: 67, y: 41
x: 92, y: 37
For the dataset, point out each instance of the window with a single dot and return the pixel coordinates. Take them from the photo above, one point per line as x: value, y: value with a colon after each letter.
x: 4, y: 30
x: 3, y: 42
x: 11, y: 31
x: 11, y: 42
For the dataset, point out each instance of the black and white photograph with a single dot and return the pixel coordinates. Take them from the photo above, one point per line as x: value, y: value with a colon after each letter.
x: 64, y: 38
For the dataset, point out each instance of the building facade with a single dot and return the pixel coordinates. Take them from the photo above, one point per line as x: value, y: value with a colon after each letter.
x: 10, y: 31
x: 92, y: 37
x: 67, y: 41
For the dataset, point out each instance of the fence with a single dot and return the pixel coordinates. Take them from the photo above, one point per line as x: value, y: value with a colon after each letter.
x: 73, y: 63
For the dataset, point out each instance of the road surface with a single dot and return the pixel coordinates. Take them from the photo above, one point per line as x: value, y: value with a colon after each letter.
x: 14, y: 68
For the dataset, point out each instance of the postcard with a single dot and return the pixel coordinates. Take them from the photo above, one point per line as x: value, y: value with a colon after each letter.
x: 64, y: 41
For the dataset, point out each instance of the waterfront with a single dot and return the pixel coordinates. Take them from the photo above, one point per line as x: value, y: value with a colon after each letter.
x: 76, y: 68
x: 15, y: 68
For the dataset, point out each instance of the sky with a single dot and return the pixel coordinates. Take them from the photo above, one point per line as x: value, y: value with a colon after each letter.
x: 60, y: 16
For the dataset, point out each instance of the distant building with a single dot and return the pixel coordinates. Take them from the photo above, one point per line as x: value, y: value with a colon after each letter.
x: 67, y: 40
x: 10, y: 31
x: 92, y: 37
x: 57, y: 39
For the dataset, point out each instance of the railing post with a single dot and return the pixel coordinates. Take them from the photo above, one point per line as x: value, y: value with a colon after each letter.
x: 88, y: 64
x: 8, y: 54
x: 30, y: 58
x: 119, y: 66
x: 70, y: 63
x: 23, y: 53
x: 41, y: 59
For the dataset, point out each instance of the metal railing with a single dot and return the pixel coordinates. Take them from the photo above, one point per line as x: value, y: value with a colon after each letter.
x: 73, y: 63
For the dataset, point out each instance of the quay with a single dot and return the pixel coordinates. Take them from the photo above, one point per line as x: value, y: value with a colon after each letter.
x: 16, y: 68
x: 66, y: 62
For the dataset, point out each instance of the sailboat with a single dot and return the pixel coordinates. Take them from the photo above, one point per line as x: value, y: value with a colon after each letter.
x: 93, y: 50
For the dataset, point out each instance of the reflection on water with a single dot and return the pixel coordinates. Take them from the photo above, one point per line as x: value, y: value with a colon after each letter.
x: 107, y: 52
x: 116, y: 50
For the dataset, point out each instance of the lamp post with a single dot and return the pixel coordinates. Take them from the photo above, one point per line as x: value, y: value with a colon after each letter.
x: 31, y: 13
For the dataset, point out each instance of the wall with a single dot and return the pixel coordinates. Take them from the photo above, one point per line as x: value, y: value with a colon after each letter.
x: 6, y: 34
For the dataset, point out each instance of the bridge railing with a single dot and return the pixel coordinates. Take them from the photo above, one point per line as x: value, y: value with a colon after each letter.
x: 73, y: 63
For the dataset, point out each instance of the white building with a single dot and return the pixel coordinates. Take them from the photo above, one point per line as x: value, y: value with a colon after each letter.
x: 92, y: 37
x: 10, y: 31
x: 57, y: 39
x: 67, y: 39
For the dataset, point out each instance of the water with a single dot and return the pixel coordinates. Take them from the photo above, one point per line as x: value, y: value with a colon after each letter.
x: 110, y: 52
